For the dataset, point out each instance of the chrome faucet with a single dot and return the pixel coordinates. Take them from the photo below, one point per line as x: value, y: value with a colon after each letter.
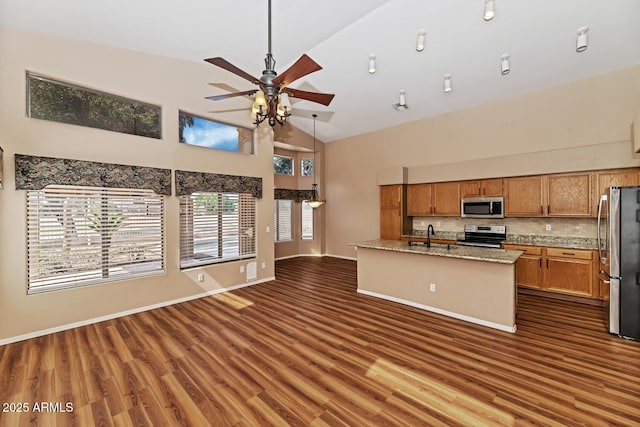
x: 430, y: 233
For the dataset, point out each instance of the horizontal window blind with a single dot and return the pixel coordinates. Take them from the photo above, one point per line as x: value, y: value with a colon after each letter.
x: 283, y: 220
x: 79, y: 236
x: 307, y: 221
x: 216, y: 227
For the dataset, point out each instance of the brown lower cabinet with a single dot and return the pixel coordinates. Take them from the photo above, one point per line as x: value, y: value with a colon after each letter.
x: 560, y: 270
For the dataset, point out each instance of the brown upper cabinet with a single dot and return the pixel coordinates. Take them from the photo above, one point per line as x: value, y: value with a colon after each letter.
x: 437, y: 199
x: 393, y: 217
x: 570, y: 194
x: 614, y: 178
x: 482, y: 188
x: 549, y: 195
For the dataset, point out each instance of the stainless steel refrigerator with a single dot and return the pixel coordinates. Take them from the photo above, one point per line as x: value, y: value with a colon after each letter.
x: 619, y: 249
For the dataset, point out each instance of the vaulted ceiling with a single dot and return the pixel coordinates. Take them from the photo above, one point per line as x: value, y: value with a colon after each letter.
x: 539, y: 36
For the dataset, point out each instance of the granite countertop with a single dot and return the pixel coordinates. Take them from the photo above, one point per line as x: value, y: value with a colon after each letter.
x: 461, y: 252
x: 522, y: 239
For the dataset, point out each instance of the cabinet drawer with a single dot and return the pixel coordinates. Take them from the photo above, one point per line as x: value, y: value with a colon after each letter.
x: 569, y: 253
x: 528, y: 250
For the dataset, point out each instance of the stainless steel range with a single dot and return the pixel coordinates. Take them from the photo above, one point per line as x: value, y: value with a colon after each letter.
x: 486, y: 236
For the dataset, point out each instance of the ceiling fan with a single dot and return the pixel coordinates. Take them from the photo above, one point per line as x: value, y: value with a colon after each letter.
x: 272, y: 95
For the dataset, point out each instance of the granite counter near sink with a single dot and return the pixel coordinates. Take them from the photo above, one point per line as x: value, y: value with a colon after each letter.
x: 472, y: 284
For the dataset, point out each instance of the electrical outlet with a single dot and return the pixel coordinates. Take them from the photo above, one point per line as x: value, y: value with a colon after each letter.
x: 422, y: 224
x: 200, y: 277
x: 548, y: 227
x: 432, y: 287
x: 242, y: 269
x: 438, y: 224
x: 268, y: 229
x: 264, y: 265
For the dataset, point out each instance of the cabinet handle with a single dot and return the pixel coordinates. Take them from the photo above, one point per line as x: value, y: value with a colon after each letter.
x: 568, y: 253
x: 547, y: 264
x: 541, y: 209
x: 540, y: 262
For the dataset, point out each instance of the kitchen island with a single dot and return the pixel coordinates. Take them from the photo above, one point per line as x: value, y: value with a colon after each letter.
x: 468, y: 283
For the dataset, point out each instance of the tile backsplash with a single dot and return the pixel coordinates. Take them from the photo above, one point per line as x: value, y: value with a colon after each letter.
x: 565, y: 227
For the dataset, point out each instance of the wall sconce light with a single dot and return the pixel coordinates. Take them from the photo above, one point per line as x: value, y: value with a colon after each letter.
x: 402, y: 102
x: 489, y: 10
x: 505, y: 66
x: 420, y: 40
x: 372, y: 64
x: 581, y: 40
x: 447, y: 83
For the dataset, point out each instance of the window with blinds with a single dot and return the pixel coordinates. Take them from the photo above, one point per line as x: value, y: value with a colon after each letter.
x: 79, y: 236
x: 216, y: 227
x: 283, y: 220
x: 307, y: 221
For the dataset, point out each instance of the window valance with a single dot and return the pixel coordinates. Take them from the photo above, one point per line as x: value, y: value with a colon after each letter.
x: 193, y: 182
x: 35, y: 173
x: 295, y: 195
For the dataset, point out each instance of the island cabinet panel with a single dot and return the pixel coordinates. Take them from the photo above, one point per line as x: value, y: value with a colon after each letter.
x: 529, y: 266
x: 393, y: 217
x: 482, y: 188
x: 569, y: 195
x: 570, y: 271
x: 613, y: 178
x: 524, y: 196
x: 419, y: 200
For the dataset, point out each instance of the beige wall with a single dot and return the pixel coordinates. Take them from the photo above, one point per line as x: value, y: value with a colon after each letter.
x: 170, y: 83
x: 580, y: 125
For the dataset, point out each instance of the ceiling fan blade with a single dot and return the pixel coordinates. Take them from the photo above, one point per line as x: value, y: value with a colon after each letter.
x: 320, y: 98
x: 303, y: 66
x: 226, y: 65
x: 231, y: 95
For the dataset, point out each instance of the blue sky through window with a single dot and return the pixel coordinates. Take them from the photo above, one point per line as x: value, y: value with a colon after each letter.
x: 210, y: 134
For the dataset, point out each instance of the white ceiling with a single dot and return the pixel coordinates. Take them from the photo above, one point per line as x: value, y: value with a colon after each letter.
x: 540, y: 36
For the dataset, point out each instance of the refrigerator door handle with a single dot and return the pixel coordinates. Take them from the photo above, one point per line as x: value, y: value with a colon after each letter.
x: 603, y: 202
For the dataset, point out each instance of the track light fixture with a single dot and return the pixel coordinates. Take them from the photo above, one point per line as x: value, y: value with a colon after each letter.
x: 372, y: 64
x: 582, y: 40
x: 447, y: 83
x: 505, y: 66
x: 489, y: 10
x: 420, y: 40
x: 402, y: 102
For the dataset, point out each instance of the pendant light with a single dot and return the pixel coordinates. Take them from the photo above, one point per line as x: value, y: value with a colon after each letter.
x: 315, y: 201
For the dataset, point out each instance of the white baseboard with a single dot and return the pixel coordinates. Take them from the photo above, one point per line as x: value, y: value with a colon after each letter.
x: 298, y: 255
x: 127, y: 312
x: 342, y: 257
x: 470, y: 319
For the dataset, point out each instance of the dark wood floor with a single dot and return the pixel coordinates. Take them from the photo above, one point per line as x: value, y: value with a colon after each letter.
x: 306, y: 349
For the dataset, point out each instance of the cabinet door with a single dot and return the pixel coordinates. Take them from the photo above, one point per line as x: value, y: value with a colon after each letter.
x: 391, y: 224
x: 492, y: 187
x: 569, y: 195
x: 472, y: 188
x: 446, y: 199
x: 524, y: 196
x: 419, y: 200
x: 528, y: 266
x: 613, y: 178
x: 570, y: 271
x: 390, y: 196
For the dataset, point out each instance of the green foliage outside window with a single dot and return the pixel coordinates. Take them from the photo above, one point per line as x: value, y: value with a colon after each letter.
x: 61, y: 102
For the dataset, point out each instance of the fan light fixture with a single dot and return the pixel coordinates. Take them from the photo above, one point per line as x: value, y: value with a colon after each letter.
x: 420, y: 40
x: 447, y: 83
x: 581, y: 40
x: 372, y: 64
x: 315, y: 201
x: 489, y: 10
x: 402, y: 102
x: 505, y: 66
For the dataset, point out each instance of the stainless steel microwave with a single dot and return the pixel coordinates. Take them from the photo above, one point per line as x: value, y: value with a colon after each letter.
x: 482, y: 207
